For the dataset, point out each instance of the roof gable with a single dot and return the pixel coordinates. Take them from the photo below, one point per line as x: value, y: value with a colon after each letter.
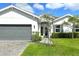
x: 62, y: 17
x: 20, y: 11
x: 15, y: 18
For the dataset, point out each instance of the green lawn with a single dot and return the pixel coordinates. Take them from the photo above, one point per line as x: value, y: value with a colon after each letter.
x: 61, y: 47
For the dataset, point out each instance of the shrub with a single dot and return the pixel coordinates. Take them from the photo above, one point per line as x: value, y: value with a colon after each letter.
x: 76, y: 35
x: 65, y: 35
x: 36, y: 37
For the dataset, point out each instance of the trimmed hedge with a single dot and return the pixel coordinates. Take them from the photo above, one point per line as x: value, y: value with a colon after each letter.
x: 76, y: 35
x: 65, y: 35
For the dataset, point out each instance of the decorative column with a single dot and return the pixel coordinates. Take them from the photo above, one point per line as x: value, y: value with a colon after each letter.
x: 53, y: 28
x: 39, y: 29
x: 43, y: 31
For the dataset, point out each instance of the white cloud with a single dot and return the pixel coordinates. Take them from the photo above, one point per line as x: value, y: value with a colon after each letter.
x: 38, y: 6
x: 70, y: 6
x: 54, y: 5
x: 25, y: 7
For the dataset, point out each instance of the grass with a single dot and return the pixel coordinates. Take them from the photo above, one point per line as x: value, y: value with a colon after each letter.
x: 61, y: 47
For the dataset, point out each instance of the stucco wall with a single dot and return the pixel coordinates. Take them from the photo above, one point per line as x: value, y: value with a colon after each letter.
x: 15, y: 18
x: 67, y: 28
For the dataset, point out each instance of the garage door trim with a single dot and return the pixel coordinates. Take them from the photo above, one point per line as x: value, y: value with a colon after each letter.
x: 15, y: 25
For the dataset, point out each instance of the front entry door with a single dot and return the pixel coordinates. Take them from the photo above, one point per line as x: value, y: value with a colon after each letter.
x: 44, y: 31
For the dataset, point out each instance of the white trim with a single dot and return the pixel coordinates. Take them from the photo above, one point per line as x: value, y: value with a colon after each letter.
x: 11, y: 6
x: 58, y: 19
x: 58, y: 28
x: 6, y: 8
x: 76, y: 29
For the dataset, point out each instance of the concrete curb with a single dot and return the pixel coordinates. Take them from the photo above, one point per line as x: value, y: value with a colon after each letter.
x: 24, y: 49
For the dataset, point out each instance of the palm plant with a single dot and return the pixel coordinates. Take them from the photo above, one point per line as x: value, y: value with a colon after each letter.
x: 74, y: 20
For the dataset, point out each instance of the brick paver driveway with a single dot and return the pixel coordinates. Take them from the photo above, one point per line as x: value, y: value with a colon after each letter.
x: 12, y: 47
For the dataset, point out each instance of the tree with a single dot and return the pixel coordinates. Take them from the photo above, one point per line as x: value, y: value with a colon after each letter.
x: 49, y: 20
x: 74, y: 20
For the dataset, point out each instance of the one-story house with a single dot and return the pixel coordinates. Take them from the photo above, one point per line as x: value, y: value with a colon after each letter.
x: 16, y: 23
x: 59, y: 25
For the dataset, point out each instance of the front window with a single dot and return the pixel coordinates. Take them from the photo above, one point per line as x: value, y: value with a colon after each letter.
x: 77, y: 28
x: 57, y: 28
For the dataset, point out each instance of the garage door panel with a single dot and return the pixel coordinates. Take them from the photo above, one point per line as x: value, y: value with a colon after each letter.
x: 15, y: 32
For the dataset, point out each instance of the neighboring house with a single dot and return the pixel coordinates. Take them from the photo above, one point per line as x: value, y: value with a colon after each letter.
x: 16, y: 23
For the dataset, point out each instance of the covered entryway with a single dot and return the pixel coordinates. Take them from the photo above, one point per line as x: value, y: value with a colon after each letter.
x: 15, y: 32
x: 44, y: 29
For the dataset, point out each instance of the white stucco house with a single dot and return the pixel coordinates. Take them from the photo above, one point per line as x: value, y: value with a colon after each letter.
x: 59, y: 26
x: 16, y: 23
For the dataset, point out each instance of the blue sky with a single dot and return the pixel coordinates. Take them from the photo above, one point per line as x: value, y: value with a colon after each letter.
x: 56, y: 9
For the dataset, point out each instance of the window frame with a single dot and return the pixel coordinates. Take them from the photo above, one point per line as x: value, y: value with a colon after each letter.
x: 76, y: 28
x: 58, y: 28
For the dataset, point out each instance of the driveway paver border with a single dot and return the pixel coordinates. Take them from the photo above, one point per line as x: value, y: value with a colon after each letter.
x: 24, y: 49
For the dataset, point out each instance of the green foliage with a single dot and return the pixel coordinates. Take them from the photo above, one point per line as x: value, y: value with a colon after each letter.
x: 76, y: 35
x: 47, y: 18
x: 73, y: 19
x: 65, y: 35
x: 36, y: 37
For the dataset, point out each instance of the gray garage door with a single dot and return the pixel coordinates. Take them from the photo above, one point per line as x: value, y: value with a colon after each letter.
x: 15, y: 32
